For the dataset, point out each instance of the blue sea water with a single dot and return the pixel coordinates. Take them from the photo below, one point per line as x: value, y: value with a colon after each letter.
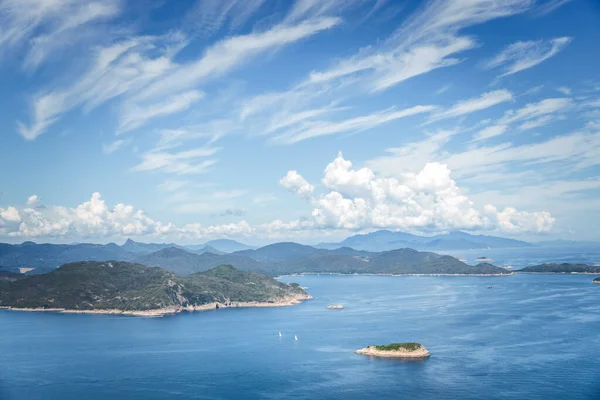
x: 527, y: 337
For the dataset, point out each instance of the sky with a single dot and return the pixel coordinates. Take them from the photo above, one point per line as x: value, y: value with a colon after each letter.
x: 303, y: 120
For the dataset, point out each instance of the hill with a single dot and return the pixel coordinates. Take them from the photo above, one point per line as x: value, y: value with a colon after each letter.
x: 144, y: 248
x: 301, y: 259
x: 564, y: 268
x: 283, y: 251
x: 228, y: 245
x: 46, y: 257
x: 183, y: 262
x: 385, y: 240
x: 135, y: 288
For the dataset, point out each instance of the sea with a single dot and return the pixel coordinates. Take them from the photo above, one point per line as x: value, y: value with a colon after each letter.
x: 522, y: 336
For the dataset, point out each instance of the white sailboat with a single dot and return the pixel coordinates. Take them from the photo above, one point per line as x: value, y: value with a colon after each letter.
x: 280, y: 335
x: 295, y: 338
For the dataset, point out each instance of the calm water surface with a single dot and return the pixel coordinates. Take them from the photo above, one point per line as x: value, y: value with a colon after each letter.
x: 528, y: 337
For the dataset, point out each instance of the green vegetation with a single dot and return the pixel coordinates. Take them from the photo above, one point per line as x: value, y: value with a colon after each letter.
x: 182, y: 262
x: 409, y: 346
x: 93, y: 285
x: 564, y: 268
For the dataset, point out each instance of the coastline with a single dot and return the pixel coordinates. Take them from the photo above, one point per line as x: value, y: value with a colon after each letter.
x: 160, y: 312
x: 418, y: 354
x: 372, y: 274
x: 559, y: 273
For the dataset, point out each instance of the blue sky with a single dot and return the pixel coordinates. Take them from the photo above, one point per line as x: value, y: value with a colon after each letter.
x: 298, y: 120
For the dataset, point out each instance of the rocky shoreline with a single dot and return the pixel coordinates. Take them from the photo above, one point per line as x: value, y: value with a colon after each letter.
x: 417, y: 354
x: 367, y: 274
x: 288, y: 301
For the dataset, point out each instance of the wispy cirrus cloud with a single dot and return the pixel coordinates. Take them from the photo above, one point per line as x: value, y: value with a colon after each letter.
x: 424, y: 42
x: 178, y: 162
x: 114, y: 146
x: 355, y: 124
x: 523, y: 55
x: 539, y: 109
x: 142, y: 70
x: 465, y: 107
x: 44, y: 27
x: 549, y: 6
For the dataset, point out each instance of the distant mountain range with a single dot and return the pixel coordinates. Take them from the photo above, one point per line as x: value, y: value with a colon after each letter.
x: 385, y: 240
x: 220, y: 246
x: 381, y: 252
x: 274, y: 259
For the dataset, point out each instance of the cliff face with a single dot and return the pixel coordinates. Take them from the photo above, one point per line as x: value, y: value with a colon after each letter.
x: 123, y: 286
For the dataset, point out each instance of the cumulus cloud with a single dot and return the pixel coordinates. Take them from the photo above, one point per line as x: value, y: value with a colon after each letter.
x: 428, y: 200
x: 355, y: 199
x: 294, y: 182
x: 11, y: 214
x: 33, y: 201
x: 513, y: 221
x: 95, y: 219
x: 91, y: 218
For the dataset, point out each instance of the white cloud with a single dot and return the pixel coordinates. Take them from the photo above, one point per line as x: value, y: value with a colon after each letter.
x: 294, y: 182
x: 424, y: 42
x: 142, y: 69
x: 549, y: 6
x: 182, y: 162
x: 44, y: 27
x: 135, y: 116
x: 230, y: 53
x: 536, y: 110
x: 564, y: 90
x: 428, y: 200
x: 536, y: 123
x: 486, y: 100
x: 241, y: 228
x: 173, y: 186
x: 356, y: 124
x: 490, y: 132
x: 114, y: 146
x: 33, y: 200
x: 11, y: 214
x: 92, y: 218
x: 209, y: 16
x: 524, y: 55
x: 114, y: 70
x: 513, y: 221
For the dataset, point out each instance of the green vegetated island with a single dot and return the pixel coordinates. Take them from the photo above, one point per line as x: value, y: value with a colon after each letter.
x: 410, y: 350
x: 133, y: 289
x: 274, y: 260
x: 563, y: 268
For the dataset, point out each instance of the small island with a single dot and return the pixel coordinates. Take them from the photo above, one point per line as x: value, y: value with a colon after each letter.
x: 335, y: 307
x: 597, y: 280
x: 409, y: 351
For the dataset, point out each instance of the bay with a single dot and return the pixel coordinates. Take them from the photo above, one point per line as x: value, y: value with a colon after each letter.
x: 526, y: 337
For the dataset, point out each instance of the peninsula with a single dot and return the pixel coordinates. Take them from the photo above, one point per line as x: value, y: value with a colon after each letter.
x: 411, y: 350
x: 114, y: 287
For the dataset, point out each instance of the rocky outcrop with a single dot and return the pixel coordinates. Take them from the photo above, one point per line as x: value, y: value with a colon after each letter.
x: 418, y: 353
